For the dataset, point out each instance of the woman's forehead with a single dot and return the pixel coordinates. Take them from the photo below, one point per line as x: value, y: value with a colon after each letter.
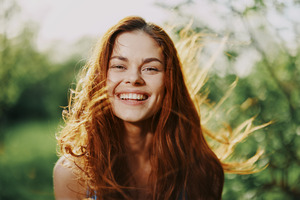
x: 136, y: 43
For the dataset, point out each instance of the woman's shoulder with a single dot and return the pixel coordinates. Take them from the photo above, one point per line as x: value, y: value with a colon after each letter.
x: 66, y: 181
x: 63, y: 169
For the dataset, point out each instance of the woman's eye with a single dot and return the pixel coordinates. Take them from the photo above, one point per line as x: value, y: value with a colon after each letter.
x: 117, y: 67
x: 150, y: 69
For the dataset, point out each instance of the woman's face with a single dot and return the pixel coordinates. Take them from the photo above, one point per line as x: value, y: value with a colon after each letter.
x: 135, y: 77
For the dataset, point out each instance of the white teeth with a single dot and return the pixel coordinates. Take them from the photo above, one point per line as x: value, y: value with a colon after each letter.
x: 132, y: 96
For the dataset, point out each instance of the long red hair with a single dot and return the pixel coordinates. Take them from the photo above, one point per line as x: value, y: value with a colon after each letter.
x: 182, y: 162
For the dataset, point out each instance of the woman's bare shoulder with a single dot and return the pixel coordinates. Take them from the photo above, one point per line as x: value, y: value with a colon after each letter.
x: 66, y: 183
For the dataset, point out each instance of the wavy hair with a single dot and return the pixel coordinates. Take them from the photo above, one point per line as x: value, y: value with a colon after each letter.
x: 182, y: 162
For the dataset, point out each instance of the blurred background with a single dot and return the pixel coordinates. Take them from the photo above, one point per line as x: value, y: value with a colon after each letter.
x: 44, y: 43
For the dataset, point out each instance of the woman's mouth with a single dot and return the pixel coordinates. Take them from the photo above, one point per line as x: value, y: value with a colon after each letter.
x: 132, y: 96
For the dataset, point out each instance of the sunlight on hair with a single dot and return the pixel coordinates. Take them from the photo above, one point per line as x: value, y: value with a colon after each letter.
x: 93, y: 136
x: 189, y: 45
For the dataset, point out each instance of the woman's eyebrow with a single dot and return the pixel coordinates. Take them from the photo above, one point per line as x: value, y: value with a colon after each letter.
x: 148, y: 60
x: 119, y: 57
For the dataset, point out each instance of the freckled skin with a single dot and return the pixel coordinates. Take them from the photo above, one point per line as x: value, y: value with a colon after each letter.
x: 136, y: 66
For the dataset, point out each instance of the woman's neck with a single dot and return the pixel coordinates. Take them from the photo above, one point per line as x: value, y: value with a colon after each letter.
x: 138, y: 141
x: 138, y: 138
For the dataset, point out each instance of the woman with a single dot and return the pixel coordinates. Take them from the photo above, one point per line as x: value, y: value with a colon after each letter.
x: 132, y: 129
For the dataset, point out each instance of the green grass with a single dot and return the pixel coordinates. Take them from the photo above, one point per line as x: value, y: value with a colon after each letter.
x: 27, y: 157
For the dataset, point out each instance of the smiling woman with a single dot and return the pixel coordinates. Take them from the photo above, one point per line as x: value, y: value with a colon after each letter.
x: 132, y: 129
x: 135, y: 77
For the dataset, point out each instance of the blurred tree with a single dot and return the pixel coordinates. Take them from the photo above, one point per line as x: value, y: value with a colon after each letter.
x: 264, y: 52
x: 32, y: 84
x: 21, y: 64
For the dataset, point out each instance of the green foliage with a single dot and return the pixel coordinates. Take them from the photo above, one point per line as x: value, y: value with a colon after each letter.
x: 259, y: 95
x: 270, y: 91
x: 32, y: 86
x: 21, y: 66
x: 27, y: 157
x: 45, y: 97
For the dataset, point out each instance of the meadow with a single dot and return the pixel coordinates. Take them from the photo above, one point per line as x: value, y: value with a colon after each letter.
x: 27, y: 157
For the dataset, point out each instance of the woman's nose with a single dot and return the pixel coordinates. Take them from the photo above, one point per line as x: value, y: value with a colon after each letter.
x: 134, y: 77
